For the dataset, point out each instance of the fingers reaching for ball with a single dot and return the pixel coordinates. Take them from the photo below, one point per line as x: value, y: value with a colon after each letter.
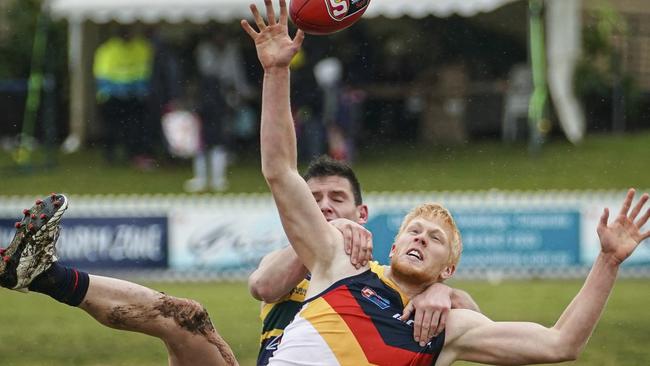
x: 311, y: 16
x: 275, y: 48
x: 284, y: 14
x: 270, y: 13
x: 261, y: 25
x: 271, y: 19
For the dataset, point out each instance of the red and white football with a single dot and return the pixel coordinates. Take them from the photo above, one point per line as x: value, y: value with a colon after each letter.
x: 326, y: 16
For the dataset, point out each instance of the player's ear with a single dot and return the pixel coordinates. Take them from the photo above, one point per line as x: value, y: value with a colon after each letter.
x: 392, y: 251
x: 448, y: 272
x: 363, y: 214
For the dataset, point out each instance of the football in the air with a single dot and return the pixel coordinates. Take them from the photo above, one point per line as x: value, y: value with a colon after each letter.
x: 326, y: 16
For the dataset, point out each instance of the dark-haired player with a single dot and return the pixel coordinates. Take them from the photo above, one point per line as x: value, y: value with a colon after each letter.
x: 281, y: 280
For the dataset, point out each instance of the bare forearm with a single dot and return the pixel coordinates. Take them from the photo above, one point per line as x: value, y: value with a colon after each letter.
x: 579, y: 319
x: 300, y: 216
x: 516, y: 343
x: 278, y: 273
x: 278, y: 137
x: 476, y: 338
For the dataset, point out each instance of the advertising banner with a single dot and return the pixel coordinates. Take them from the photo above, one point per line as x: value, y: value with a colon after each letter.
x: 499, y: 238
x: 511, y: 232
x: 224, y: 238
x: 108, y: 242
x: 590, y: 245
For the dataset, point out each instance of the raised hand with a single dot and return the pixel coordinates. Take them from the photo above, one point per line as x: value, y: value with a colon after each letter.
x: 620, y: 238
x: 275, y: 48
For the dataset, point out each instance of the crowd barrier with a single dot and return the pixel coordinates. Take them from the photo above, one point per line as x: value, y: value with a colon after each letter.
x: 506, y: 234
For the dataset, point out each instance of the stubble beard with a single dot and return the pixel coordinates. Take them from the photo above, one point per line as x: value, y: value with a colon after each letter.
x: 414, y: 276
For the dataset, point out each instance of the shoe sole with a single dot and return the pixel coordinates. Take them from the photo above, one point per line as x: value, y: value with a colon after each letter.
x: 36, y: 222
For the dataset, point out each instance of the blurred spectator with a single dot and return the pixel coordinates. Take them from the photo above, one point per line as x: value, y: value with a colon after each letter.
x: 306, y: 97
x: 516, y: 100
x: 122, y: 70
x: 166, y: 87
x: 222, y: 86
x: 341, y: 109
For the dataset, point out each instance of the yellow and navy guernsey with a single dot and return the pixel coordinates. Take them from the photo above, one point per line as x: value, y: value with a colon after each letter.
x: 355, y: 322
x: 276, y: 316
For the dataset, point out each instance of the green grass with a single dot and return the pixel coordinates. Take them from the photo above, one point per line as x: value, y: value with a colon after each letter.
x: 600, y: 162
x: 37, y: 331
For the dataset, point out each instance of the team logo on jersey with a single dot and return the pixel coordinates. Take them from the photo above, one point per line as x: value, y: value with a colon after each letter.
x: 341, y: 9
x: 371, y: 295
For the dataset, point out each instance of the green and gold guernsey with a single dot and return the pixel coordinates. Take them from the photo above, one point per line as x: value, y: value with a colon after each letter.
x: 276, y: 317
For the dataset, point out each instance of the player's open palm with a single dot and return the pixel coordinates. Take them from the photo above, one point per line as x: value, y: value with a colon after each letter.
x: 620, y: 238
x: 274, y: 46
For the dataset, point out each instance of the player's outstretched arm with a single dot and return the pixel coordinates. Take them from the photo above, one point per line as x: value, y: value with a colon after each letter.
x: 473, y: 337
x: 308, y: 232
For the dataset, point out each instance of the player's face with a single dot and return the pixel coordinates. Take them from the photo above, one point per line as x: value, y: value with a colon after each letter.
x: 336, y: 200
x: 422, y: 251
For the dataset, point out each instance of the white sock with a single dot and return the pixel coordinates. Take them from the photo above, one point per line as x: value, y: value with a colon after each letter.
x: 200, y: 168
x: 218, y: 165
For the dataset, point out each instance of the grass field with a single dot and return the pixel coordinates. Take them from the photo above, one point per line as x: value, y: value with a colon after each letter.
x: 600, y: 162
x: 36, y: 331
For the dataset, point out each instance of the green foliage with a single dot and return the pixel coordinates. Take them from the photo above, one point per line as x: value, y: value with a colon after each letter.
x: 601, y: 64
x: 16, y: 45
x: 36, y: 331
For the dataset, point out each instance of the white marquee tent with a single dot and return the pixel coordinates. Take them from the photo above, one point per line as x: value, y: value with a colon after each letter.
x: 79, y: 12
x: 127, y: 11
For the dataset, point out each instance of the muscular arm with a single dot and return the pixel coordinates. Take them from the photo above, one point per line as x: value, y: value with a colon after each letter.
x: 278, y: 273
x: 473, y: 337
x: 304, y: 224
x: 313, y: 239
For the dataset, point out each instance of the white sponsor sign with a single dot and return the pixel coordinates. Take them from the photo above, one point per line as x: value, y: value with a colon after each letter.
x: 223, y: 238
x: 590, y: 245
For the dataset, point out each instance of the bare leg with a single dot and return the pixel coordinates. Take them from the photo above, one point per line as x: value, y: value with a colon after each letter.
x: 183, y: 325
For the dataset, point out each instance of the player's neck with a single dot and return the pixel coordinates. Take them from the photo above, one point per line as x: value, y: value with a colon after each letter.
x: 406, y: 286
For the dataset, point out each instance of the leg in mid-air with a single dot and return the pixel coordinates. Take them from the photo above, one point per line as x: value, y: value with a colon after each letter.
x: 29, y: 264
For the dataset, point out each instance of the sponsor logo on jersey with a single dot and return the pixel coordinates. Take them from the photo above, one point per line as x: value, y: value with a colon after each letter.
x: 371, y: 295
x: 341, y: 9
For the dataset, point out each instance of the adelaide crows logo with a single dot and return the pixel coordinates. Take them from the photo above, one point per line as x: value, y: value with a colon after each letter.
x: 341, y: 9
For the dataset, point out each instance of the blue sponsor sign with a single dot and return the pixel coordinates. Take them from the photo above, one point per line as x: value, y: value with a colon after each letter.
x: 499, y: 238
x: 108, y: 242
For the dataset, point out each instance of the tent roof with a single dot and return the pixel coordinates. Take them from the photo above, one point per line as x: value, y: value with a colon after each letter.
x: 200, y: 11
